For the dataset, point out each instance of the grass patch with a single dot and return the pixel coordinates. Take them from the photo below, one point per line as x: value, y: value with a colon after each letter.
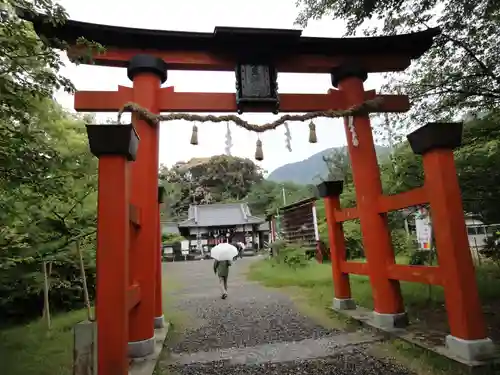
x: 418, y: 360
x: 317, y: 278
x: 177, y: 319
x: 312, y: 287
x: 31, y: 349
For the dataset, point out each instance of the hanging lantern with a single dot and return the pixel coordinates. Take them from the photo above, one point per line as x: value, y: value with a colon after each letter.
x: 255, y: 51
x: 256, y: 87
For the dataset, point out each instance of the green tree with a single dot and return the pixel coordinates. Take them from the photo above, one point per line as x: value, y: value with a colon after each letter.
x: 47, y: 175
x: 339, y: 166
x: 47, y: 203
x: 263, y: 196
x: 266, y: 197
x: 460, y: 73
x: 30, y: 65
x: 476, y: 162
x: 219, y: 178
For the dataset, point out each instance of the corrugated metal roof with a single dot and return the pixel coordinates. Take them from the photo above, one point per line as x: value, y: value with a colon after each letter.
x: 220, y: 214
x: 169, y: 227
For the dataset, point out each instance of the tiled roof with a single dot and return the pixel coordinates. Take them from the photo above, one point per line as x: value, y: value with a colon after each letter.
x: 220, y: 214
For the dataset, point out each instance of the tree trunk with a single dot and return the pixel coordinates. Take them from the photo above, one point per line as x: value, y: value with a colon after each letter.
x: 84, y: 282
x: 46, y: 306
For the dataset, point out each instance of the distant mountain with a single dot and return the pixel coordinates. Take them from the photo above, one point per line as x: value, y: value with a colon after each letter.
x: 309, y: 170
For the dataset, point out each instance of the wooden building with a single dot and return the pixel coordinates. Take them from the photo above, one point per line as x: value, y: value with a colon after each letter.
x: 297, y: 224
x: 211, y: 224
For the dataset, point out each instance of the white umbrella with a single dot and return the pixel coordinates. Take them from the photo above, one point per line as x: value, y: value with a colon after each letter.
x: 223, y: 251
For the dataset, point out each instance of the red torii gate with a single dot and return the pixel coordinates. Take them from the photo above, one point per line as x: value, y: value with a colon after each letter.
x: 128, y: 251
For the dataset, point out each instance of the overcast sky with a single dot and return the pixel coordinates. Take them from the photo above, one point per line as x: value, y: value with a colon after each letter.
x: 202, y: 15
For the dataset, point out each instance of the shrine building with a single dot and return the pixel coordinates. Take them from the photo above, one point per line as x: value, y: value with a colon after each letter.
x: 210, y: 224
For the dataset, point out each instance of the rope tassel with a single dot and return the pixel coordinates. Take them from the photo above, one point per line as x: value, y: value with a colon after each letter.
x: 259, y: 154
x: 288, y: 138
x: 194, y: 135
x: 229, y: 140
x: 312, y: 133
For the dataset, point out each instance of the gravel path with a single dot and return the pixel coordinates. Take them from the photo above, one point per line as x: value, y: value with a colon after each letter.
x: 256, y: 330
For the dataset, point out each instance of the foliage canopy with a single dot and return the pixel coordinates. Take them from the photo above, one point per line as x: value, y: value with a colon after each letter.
x: 459, y: 74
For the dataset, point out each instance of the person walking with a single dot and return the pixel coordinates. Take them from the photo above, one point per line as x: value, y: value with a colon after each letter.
x: 241, y: 247
x: 221, y: 268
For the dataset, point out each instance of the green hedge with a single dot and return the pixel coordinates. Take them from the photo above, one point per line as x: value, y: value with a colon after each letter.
x: 293, y: 255
x: 403, y: 245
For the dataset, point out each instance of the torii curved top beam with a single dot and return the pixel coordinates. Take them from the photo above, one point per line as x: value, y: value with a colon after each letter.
x: 220, y: 50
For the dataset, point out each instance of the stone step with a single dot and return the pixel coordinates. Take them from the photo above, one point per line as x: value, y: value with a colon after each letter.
x: 349, y: 360
x: 277, y: 352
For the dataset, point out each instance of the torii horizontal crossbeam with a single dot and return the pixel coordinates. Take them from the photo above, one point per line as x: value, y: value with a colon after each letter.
x: 171, y: 101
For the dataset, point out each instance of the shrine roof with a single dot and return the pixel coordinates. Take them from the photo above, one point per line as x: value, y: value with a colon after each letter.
x: 235, y: 41
x: 297, y: 204
x: 219, y: 214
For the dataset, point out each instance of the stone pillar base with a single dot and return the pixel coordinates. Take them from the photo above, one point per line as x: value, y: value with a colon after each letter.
x: 159, y: 322
x: 344, y: 304
x: 85, y: 348
x: 390, y: 321
x: 143, y: 348
x: 470, y: 350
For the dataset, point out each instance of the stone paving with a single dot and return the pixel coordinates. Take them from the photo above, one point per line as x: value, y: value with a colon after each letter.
x: 256, y: 330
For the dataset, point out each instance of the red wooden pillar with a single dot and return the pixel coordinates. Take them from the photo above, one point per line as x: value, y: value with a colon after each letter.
x: 147, y: 72
x: 114, y: 145
x: 330, y: 192
x: 159, y: 319
x: 436, y: 142
x: 387, y: 299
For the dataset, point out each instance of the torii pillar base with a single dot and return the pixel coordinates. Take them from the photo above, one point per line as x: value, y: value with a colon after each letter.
x: 470, y: 350
x: 159, y: 322
x: 340, y: 304
x: 143, y: 348
x: 390, y: 321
